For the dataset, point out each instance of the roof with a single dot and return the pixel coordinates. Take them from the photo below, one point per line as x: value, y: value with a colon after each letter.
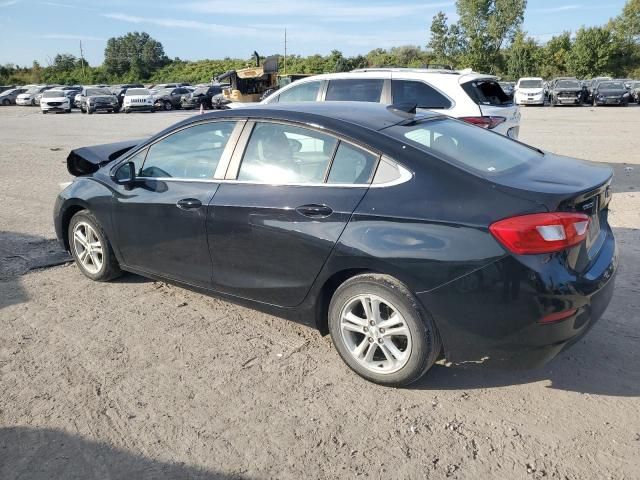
x: 373, y: 116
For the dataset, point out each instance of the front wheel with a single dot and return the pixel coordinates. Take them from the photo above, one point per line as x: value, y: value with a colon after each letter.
x: 168, y: 106
x: 380, y: 330
x: 91, y: 249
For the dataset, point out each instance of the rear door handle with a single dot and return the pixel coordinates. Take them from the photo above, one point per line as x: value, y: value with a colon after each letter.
x: 314, y: 211
x: 189, y: 204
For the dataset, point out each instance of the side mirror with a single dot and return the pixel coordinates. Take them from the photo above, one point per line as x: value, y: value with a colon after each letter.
x: 126, y: 175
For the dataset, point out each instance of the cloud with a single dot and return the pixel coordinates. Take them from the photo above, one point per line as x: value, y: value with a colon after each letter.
x: 185, y: 24
x: 68, y: 36
x: 559, y: 8
x: 8, y: 3
x: 312, y: 8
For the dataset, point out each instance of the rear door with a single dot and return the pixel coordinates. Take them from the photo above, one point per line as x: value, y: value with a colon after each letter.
x: 487, y: 93
x: 289, y: 194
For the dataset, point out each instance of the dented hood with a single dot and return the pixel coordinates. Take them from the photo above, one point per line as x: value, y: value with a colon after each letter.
x: 87, y: 160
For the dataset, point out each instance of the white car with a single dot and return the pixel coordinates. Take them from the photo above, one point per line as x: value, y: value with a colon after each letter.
x: 473, y: 97
x: 136, y: 99
x: 55, y: 101
x: 529, y: 91
x: 29, y: 97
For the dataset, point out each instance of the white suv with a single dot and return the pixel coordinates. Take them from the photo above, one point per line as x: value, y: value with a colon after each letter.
x: 469, y: 96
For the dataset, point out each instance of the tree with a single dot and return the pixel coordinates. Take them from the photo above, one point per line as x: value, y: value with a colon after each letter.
x: 134, y: 54
x: 484, y: 27
x: 522, y: 57
x: 555, y: 55
x: 591, y: 52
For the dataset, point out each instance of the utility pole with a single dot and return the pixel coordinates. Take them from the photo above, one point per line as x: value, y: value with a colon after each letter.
x: 84, y: 75
x: 285, y: 51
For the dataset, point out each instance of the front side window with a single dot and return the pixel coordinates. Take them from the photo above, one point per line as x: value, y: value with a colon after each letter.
x: 192, y: 153
x: 354, y: 90
x: 304, y: 92
x: 279, y: 154
x: 423, y: 95
x: 465, y: 144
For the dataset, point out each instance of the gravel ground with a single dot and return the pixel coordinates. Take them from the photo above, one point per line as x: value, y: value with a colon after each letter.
x: 137, y: 379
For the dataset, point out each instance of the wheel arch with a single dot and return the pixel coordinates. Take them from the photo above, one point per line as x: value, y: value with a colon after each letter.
x: 67, y: 214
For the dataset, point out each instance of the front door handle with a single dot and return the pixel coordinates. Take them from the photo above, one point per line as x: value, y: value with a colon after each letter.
x: 314, y: 211
x: 189, y: 204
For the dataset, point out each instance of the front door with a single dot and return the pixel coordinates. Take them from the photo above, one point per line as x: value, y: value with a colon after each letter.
x: 271, y: 230
x: 161, y: 222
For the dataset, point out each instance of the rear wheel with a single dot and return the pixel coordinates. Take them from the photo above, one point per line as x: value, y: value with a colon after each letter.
x: 91, y: 249
x: 168, y: 106
x: 6, y: 102
x: 380, y: 330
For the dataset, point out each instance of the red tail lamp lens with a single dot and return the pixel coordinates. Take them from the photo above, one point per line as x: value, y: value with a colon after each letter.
x: 541, y: 232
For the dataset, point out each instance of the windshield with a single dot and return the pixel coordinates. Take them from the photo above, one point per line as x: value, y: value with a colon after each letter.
x: 8, y: 92
x: 466, y: 145
x: 33, y: 90
x: 97, y: 91
x: 568, y: 84
x: 530, y: 83
x: 611, y: 86
x: 53, y: 94
x: 137, y: 91
x: 165, y: 91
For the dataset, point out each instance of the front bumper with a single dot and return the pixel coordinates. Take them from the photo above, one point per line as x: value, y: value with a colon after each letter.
x: 100, y: 106
x: 55, y: 108
x: 610, y: 101
x: 139, y: 107
x: 530, y: 100
x: 492, y: 315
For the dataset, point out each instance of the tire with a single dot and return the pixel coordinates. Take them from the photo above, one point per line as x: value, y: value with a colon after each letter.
x: 167, y: 106
x: 44, y: 112
x: 67, y: 111
x: 416, y: 334
x: 33, y: 102
x: 89, y: 111
x: 6, y: 102
x: 105, y: 265
x: 126, y: 110
x: 551, y: 103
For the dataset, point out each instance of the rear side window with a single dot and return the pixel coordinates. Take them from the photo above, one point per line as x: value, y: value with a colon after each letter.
x: 423, y: 95
x: 303, y: 92
x: 354, y: 90
x: 486, y: 92
x: 467, y: 145
x: 351, y: 165
x: 286, y: 154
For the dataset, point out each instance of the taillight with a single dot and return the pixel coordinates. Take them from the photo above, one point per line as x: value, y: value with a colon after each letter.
x: 484, y: 122
x: 541, y: 232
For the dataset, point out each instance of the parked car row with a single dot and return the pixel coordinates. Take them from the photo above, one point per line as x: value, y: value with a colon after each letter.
x: 571, y: 91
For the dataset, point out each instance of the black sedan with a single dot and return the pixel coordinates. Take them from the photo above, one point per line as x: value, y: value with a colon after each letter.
x: 170, y: 98
x: 611, y: 93
x: 202, y: 95
x: 406, y: 236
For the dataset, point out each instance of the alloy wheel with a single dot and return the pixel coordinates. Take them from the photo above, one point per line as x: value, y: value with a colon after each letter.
x: 375, y: 333
x: 88, y: 247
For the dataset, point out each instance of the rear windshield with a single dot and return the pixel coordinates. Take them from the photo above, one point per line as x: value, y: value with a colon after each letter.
x: 530, y: 84
x: 466, y: 145
x: 486, y: 92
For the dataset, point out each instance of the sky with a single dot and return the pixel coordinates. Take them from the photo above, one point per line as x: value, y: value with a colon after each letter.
x: 198, y: 29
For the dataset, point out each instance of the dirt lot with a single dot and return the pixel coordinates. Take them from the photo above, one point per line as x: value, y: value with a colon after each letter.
x: 137, y: 379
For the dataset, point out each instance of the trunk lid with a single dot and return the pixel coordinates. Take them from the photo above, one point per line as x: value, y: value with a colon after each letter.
x: 568, y: 185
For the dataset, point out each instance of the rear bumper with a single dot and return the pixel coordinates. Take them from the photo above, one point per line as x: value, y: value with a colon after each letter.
x: 492, y: 315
